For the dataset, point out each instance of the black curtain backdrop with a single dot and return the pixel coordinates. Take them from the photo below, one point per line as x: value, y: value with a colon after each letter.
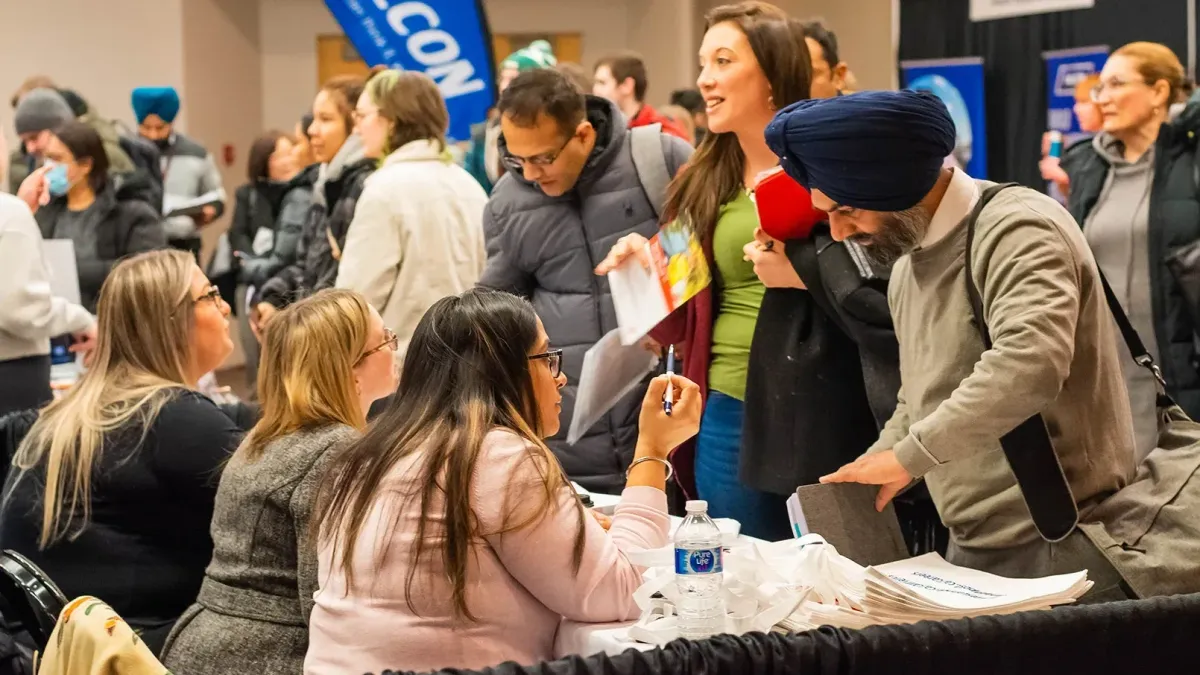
x: 1014, y: 73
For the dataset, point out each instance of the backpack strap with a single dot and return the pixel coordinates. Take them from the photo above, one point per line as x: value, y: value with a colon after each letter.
x: 1028, y: 448
x: 651, y: 164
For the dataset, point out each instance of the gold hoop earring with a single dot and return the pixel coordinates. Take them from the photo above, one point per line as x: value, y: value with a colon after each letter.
x: 771, y: 103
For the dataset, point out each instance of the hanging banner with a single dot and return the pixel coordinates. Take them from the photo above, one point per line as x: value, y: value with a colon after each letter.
x: 448, y: 40
x: 959, y: 83
x: 1064, y: 70
x: 986, y: 10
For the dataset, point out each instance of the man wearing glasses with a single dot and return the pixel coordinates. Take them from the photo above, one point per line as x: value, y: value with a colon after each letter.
x: 570, y: 191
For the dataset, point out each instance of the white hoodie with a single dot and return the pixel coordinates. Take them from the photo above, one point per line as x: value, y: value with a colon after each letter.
x: 29, y: 313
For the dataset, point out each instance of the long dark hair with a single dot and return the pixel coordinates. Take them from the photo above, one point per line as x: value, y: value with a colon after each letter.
x: 466, y: 373
x: 716, y: 171
x: 85, y: 143
x: 258, y: 167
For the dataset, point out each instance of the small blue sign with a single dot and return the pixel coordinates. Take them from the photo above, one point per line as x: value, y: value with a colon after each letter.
x: 959, y: 83
x: 448, y: 40
x: 1064, y: 70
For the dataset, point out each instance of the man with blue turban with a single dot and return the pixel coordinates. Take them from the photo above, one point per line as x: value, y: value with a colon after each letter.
x: 189, y: 173
x: 874, y: 162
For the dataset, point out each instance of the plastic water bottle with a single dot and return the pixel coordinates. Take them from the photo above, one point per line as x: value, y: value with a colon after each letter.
x: 699, y: 574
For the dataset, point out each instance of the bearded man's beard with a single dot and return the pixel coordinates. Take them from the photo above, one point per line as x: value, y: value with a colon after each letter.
x: 900, y: 233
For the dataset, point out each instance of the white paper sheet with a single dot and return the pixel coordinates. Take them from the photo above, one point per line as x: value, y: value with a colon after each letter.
x: 59, y: 255
x: 610, y: 370
x: 638, y: 299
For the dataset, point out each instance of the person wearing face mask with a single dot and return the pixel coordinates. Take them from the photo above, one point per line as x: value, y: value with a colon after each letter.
x: 754, y: 61
x: 188, y: 172
x: 1133, y: 189
x: 344, y: 167
x: 73, y: 198
x: 268, y: 218
x: 417, y: 234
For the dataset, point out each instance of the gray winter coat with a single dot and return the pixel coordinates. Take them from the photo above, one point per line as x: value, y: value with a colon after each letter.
x: 546, y: 248
x: 260, y: 584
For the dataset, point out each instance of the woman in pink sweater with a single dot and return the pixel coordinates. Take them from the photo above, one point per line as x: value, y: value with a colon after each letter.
x: 449, y: 535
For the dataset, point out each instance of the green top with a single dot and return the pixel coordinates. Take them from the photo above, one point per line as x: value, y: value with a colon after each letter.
x: 741, y: 295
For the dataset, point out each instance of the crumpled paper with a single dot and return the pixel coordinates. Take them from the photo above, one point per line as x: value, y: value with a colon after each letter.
x: 764, y: 585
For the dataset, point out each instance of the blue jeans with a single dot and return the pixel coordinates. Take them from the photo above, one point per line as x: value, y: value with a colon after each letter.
x: 762, y: 514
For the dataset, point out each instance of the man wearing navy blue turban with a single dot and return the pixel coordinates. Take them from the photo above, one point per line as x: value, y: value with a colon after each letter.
x: 874, y: 162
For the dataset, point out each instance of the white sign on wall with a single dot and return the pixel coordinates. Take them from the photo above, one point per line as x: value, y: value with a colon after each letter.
x: 986, y: 10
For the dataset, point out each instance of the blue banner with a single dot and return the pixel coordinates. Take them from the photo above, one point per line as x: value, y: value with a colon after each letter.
x: 448, y: 40
x: 1064, y: 70
x: 959, y: 83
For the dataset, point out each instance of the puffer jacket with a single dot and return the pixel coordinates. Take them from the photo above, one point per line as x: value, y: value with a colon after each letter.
x: 334, y: 198
x: 1174, y: 223
x: 125, y: 224
x: 280, y: 208
x: 546, y: 248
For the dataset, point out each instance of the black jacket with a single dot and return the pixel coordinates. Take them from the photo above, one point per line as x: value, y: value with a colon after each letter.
x: 126, y: 225
x: 280, y: 207
x: 1174, y: 222
x: 147, y: 543
x: 316, y: 267
x: 815, y: 397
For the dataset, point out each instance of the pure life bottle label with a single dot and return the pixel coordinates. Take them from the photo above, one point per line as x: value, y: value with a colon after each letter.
x: 698, y: 561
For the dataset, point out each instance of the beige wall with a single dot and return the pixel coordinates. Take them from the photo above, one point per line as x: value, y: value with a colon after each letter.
x: 864, y: 29
x: 288, y: 35
x: 102, y: 49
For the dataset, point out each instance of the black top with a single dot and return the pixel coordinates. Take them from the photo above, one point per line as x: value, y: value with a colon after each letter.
x: 147, y: 544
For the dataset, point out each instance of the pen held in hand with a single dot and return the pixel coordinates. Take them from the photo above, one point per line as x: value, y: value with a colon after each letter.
x: 670, y: 395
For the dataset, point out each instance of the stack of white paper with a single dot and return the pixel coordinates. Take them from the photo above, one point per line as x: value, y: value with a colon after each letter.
x: 923, y: 588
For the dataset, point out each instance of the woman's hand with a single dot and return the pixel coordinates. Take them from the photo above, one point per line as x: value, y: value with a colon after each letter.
x: 771, y: 264
x: 1052, y: 170
x: 627, y: 246
x: 33, y: 190
x: 260, y: 316
x: 605, y: 521
x: 660, y: 433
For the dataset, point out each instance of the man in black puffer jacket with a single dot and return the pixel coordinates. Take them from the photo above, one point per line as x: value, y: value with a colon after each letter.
x: 571, y: 190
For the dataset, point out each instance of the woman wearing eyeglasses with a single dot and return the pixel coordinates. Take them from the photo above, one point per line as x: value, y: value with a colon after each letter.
x: 326, y: 359
x: 112, y: 489
x: 1134, y: 192
x: 449, y: 535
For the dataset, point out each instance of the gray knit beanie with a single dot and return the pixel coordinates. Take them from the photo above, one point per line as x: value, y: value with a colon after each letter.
x: 42, y: 109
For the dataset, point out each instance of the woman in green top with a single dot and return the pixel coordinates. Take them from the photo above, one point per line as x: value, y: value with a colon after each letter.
x: 754, y: 60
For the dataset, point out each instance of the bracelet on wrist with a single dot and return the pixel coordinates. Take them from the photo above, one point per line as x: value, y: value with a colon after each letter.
x: 670, y: 469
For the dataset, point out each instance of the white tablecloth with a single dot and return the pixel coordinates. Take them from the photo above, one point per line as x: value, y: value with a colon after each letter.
x: 613, y: 638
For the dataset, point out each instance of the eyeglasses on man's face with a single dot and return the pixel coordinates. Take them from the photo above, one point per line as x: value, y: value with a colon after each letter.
x: 517, y: 163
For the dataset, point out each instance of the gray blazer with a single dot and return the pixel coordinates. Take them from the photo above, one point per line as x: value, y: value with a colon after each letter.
x: 259, y: 586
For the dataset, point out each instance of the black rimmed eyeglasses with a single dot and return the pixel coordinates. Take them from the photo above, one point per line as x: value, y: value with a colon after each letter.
x: 553, y: 359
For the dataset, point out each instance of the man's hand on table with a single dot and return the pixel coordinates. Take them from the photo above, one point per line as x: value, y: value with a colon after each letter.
x: 881, y: 469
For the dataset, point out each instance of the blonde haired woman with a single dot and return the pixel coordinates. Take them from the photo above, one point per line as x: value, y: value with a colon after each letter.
x: 1133, y: 190
x: 112, y: 489
x: 325, y: 360
x: 417, y: 234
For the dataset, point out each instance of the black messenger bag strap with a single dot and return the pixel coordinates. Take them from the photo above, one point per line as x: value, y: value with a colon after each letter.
x: 1028, y: 447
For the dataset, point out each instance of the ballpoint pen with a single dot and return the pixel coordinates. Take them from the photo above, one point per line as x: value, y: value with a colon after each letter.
x: 670, y: 380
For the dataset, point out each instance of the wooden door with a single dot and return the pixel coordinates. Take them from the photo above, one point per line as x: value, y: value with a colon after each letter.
x: 568, y: 47
x: 336, y: 56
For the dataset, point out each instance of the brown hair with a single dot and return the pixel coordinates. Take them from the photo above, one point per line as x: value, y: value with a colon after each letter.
x: 1157, y: 62
x: 414, y: 106
x: 259, y: 164
x: 31, y: 83
x: 625, y: 65
x: 715, y: 172
x: 345, y: 90
x: 306, y: 377
x: 578, y: 76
